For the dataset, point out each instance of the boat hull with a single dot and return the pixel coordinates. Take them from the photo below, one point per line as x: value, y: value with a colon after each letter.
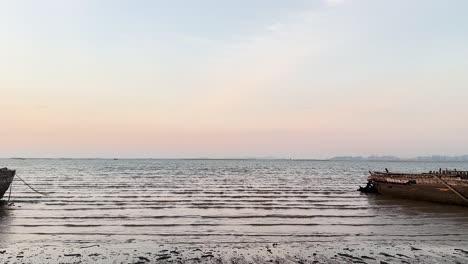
x: 435, y: 187
x: 433, y: 193
x: 6, y: 178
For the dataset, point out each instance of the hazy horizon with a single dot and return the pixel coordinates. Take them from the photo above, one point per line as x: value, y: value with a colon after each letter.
x: 291, y: 79
x: 376, y: 158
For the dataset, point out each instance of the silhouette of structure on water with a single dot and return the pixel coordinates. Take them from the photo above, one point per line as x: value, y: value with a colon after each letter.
x: 6, y: 178
x: 445, y: 186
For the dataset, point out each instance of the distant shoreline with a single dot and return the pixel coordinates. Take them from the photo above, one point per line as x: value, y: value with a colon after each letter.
x: 457, y: 159
x: 431, y: 158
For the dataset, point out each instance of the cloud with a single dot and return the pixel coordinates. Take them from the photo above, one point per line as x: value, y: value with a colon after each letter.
x: 333, y: 2
x: 237, y: 87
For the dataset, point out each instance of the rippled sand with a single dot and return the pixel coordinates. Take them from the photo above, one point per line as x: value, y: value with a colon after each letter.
x: 130, y: 211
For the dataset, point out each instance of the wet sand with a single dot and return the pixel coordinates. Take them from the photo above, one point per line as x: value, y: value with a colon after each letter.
x: 320, y: 252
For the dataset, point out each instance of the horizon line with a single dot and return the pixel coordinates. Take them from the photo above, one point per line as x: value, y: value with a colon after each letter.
x: 334, y: 158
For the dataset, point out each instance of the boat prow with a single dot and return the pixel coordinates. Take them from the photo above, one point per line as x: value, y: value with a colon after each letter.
x: 6, y: 178
x: 445, y: 186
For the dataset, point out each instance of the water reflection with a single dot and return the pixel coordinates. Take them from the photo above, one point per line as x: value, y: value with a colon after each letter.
x: 411, y: 220
x: 185, y: 201
x: 5, y: 221
x: 413, y: 207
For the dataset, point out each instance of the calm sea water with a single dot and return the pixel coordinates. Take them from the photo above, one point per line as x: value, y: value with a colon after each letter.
x: 217, y: 201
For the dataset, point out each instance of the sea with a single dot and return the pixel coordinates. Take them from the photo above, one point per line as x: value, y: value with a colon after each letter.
x: 134, y: 204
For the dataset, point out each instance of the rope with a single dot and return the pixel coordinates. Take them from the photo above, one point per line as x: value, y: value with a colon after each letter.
x: 452, y: 189
x: 31, y: 186
x: 11, y: 187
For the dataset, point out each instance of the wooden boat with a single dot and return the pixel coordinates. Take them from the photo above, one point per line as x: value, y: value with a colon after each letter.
x: 445, y: 186
x: 6, y: 178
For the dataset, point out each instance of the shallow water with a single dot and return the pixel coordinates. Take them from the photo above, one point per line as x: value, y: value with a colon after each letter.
x: 116, y: 202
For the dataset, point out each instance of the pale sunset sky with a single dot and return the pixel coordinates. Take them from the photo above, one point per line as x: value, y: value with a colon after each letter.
x: 240, y: 78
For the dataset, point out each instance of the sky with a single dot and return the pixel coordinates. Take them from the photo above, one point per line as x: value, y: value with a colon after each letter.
x: 244, y: 78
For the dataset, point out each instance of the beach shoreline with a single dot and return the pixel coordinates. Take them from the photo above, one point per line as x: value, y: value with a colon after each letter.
x: 302, y: 253
x: 100, y: 211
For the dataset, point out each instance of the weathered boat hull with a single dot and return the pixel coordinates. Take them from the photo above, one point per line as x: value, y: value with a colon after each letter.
x: 432, y: 193
x: 450, y: 187
x: 6, y: 178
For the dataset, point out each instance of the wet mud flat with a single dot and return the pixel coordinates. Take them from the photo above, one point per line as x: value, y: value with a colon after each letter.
x: 302, y: 253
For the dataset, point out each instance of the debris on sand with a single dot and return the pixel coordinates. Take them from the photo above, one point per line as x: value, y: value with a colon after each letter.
x: 461, y: 250
x: 349, y: 256
x: 144, y: 259
x: 286, y: 253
